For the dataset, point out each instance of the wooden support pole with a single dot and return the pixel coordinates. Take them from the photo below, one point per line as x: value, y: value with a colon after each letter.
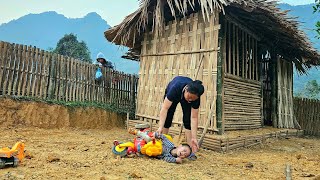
x: 220, y: 73
x: 274, y: 82
x: 288, y: 172
x: 132, y: 95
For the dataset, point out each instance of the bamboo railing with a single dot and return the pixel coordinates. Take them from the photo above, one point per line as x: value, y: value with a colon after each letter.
x: 307, y: 112
x: 30, y: 71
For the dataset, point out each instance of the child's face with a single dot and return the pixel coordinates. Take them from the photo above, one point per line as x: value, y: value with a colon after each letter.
x: 183, y: 151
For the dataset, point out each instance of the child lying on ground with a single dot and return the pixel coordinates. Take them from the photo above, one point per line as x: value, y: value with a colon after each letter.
x: 170, y: 153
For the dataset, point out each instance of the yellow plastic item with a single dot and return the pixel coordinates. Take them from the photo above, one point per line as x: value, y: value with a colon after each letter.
x: 17, y: 150
x: 168, y: 137
x: 154, y: 147
x: 122, y: 146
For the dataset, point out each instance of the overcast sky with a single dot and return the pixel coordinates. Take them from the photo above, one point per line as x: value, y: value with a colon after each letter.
x: 113, y: 11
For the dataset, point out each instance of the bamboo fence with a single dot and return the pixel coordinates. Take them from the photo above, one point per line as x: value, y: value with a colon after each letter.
x: 307, y: 113
x: 30, y: 71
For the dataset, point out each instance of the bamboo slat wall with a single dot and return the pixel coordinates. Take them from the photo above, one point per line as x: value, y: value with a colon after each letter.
x: 185, y: 47
x: 285, y: 94
x: 307, y: 113
x: 242, y: 103
x: 241, y: 50
x: 29, y: 71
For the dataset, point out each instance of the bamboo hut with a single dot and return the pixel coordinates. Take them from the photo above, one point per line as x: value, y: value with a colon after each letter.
x: 244, y: 52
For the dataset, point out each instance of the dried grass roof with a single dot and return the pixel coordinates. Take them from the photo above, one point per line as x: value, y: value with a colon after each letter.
x: 276, y: 28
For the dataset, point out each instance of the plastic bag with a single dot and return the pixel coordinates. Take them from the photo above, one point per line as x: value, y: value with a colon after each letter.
x: 98, y: 74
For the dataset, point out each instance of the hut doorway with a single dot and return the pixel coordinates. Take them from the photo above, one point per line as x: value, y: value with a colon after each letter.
x: 266, y: 75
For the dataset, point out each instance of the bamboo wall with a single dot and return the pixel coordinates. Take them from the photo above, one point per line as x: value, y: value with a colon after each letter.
x: 242, y: 98
x: 186, y: 47
x: 30, y: 71
x: 241, y: 50
x: 307, y: 113
x: 242, y: 103
x: 285, y: 94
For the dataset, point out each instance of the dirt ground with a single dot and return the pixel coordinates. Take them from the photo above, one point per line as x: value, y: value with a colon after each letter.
x: 86, y: 154
x: 76, y: 144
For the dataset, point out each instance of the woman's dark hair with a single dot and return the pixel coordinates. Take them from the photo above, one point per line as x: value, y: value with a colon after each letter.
x: 195, y: 87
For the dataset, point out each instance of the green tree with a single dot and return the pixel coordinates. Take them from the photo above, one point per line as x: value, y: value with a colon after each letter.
x: 316, y: 9
x: 70, y: 46
x: 312, y: 89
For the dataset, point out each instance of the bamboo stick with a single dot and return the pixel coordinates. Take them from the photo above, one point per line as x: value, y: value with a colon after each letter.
x: 17, y: 69
x: 5, y: 68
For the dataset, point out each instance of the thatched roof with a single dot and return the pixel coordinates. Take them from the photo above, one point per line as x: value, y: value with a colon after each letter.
x: 274, y: 26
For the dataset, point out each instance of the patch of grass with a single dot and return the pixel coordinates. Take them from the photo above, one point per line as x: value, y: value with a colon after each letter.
x: 76, y: 104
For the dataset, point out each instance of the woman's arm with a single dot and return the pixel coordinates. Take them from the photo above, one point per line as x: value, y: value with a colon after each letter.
x: 194, y: 129
x: 163, y: 113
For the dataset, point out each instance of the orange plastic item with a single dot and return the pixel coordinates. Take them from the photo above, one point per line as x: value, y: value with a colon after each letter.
x: 17, y: 150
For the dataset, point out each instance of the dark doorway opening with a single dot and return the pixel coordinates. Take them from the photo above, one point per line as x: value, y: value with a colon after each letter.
x: 266, y: 74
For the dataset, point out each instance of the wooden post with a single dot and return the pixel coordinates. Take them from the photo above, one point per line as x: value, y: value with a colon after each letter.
x: 132, y: 95
x: 51, y: 77
x: 4, y: 62
x: 259, y: 72
x: 288, y: 172
x: 220, y: 74
x: 274, y: 87
x: 127, y: 123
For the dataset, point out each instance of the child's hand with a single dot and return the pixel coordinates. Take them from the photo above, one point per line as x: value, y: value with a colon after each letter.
x: 159, y: 131
x: 178, y: 160
x: 154, y: 135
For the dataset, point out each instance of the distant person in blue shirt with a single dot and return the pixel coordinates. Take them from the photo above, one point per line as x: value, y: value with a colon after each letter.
x: 187, y: 92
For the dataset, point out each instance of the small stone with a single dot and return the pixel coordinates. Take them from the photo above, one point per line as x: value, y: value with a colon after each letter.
x: 249, y: 165
x: 299, y: 156
x: 53, y: 158
x: 307, y: 175
x: 317, y: 177
x: 134, y: 175
x: 71, y: 148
